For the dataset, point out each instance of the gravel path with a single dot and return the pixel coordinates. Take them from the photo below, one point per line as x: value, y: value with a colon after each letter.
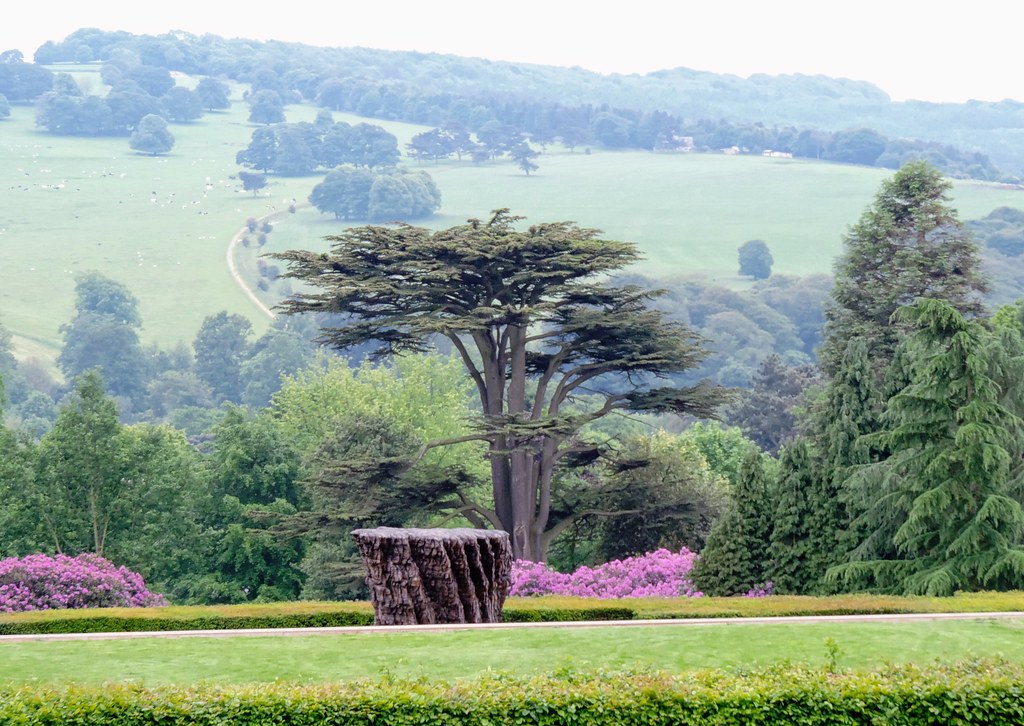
x: 363, y: 630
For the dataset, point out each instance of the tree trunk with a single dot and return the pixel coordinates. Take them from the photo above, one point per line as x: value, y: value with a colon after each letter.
x: 420, y: 576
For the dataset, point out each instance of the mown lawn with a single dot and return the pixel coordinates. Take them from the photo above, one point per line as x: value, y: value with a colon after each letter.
x: 461, y: 654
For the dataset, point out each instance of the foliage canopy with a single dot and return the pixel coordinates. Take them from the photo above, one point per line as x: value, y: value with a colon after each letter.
x: 535, y: 323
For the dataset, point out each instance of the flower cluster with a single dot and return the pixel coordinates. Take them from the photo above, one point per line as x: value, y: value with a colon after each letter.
x: 42, y: 582
x: 661, y: 573
x: 763, y: 589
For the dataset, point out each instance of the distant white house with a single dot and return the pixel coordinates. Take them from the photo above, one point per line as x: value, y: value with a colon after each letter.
x: 674, y: 143
x: 731, y: 150
x: 777, y: 154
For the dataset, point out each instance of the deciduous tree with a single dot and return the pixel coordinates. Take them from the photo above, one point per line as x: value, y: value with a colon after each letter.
x: 266, y: 107
x: 221, y: 347
x: 667, y: 494
x: 80, y: 471
x: 182, y: 104
x: 152, y: 137
x: 261, y: 153
x: 104, y: 335
x: 252, y: 181
x: 213, y: 93
x: 755, y: 259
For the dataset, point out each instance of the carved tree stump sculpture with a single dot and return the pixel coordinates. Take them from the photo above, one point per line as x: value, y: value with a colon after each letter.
x: 420, y: 576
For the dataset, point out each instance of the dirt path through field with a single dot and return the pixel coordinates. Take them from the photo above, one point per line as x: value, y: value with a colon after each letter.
x: 233, y: 248
x: 233, y: 269
x: 681, y: 622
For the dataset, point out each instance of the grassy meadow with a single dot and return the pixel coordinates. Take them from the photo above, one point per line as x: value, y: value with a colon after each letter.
x: 162, y: 225
x: 369, y: 653
x: 452, y: 655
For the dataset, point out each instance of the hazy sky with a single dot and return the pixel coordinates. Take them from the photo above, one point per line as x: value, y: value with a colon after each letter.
x: 934, y: 50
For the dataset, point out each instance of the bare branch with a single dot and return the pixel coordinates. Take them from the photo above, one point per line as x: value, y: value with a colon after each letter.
x: 563, y: 524
x: 467, y: 360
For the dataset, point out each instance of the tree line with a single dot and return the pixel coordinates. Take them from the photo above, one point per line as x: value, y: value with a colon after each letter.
x: 902, y: 472
x: 340, y: 79
x: 806, y: 102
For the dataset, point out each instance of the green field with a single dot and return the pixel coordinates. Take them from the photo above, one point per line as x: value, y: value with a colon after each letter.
x: 462, y: 654
x: 162, y: 225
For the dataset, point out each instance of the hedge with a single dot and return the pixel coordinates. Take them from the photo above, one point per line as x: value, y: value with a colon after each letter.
x: 99, y: 621
x: 153, y: 620
x: 979, y: 692
x: 533, y: 609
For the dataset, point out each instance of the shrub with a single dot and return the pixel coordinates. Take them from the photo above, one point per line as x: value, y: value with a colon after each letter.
x: 42, y: 582
x: 656, y: 574
x: 978, y: 692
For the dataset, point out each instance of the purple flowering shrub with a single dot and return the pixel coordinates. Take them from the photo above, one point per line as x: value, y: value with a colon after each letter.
x: 763, y: 589
x: 661, y: 573
x: 44, y: 582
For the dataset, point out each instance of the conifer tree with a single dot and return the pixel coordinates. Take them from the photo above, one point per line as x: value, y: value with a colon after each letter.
x: 735, y: 559
x: 908, y: 244
x: 849, y: 410
x: 791, y: 550
x: 535, y: 323
x: 948, y: 477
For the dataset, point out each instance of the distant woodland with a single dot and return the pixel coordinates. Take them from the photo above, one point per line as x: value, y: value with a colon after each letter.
x: 671, y: 110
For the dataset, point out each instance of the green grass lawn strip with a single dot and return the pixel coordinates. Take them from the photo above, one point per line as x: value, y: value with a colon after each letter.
x: 463, y: 654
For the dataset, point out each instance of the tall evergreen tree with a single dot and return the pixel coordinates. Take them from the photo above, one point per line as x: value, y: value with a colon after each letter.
x: 908, y: 244
x: 849, y: 410
x: 791, y: 550
x: 949, y: 471
x: 735, y: 559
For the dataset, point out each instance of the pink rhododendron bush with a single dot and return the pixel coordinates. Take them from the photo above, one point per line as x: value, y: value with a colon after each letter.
x: 661, y: 573
x: 44, y: 582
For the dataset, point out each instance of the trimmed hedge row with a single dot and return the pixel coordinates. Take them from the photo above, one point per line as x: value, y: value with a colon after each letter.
x: 566, y: 615
x: 102, y: 621
x: 533, y: 609
x: 977, y: 692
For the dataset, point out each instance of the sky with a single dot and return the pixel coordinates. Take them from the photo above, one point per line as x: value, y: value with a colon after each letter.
x: 934, y: 50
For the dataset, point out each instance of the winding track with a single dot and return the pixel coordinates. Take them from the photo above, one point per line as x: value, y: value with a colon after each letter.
x: 679, y: 622
x: 233, y: 269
